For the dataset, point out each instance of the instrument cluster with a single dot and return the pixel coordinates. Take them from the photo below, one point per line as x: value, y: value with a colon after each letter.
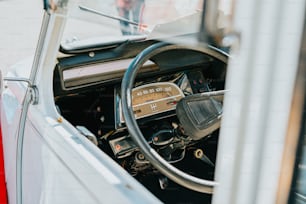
x: 154, y: 98
x: 160, y: 96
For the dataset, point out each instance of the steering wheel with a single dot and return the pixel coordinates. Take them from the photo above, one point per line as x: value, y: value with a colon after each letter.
x: 176, y: 175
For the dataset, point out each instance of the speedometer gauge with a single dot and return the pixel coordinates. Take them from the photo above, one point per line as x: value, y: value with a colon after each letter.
x: 154, y: 98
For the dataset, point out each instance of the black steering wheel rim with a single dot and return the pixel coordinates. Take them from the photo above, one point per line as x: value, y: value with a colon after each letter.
x: 176, y: 175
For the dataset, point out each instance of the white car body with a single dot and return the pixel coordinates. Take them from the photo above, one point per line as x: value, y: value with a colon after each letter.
x: 47, y: 160
x: 59, y: 165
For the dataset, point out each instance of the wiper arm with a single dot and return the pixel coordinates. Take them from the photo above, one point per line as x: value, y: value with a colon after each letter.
x: 83, y: 8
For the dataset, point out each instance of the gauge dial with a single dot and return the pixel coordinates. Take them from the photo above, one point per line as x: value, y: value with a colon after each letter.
x: 155, y: 98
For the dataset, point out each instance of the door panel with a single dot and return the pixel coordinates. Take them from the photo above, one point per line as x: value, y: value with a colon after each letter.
x: 11, y: 100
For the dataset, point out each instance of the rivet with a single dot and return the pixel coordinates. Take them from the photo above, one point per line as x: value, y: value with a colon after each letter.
x: 60, y: 119
x: 91, y: 54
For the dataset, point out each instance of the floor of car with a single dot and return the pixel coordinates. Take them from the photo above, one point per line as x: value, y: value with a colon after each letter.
x: 175, y: 194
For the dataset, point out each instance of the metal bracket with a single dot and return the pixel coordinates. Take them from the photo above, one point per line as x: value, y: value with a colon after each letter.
x: 33, y: 90
x: 34, y: 94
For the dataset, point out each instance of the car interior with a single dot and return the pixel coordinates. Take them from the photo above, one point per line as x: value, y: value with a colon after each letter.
x: 140, y: 96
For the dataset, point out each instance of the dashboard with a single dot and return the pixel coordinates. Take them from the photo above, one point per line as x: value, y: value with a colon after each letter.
x: 90, y: 99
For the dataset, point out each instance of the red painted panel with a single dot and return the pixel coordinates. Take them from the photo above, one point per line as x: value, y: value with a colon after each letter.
x: 3, y: 198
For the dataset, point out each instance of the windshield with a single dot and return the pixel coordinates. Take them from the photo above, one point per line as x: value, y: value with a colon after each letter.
x: 108, y: 21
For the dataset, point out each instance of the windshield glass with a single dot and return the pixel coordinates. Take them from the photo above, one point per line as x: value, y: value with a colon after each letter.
x: 108, y: 21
